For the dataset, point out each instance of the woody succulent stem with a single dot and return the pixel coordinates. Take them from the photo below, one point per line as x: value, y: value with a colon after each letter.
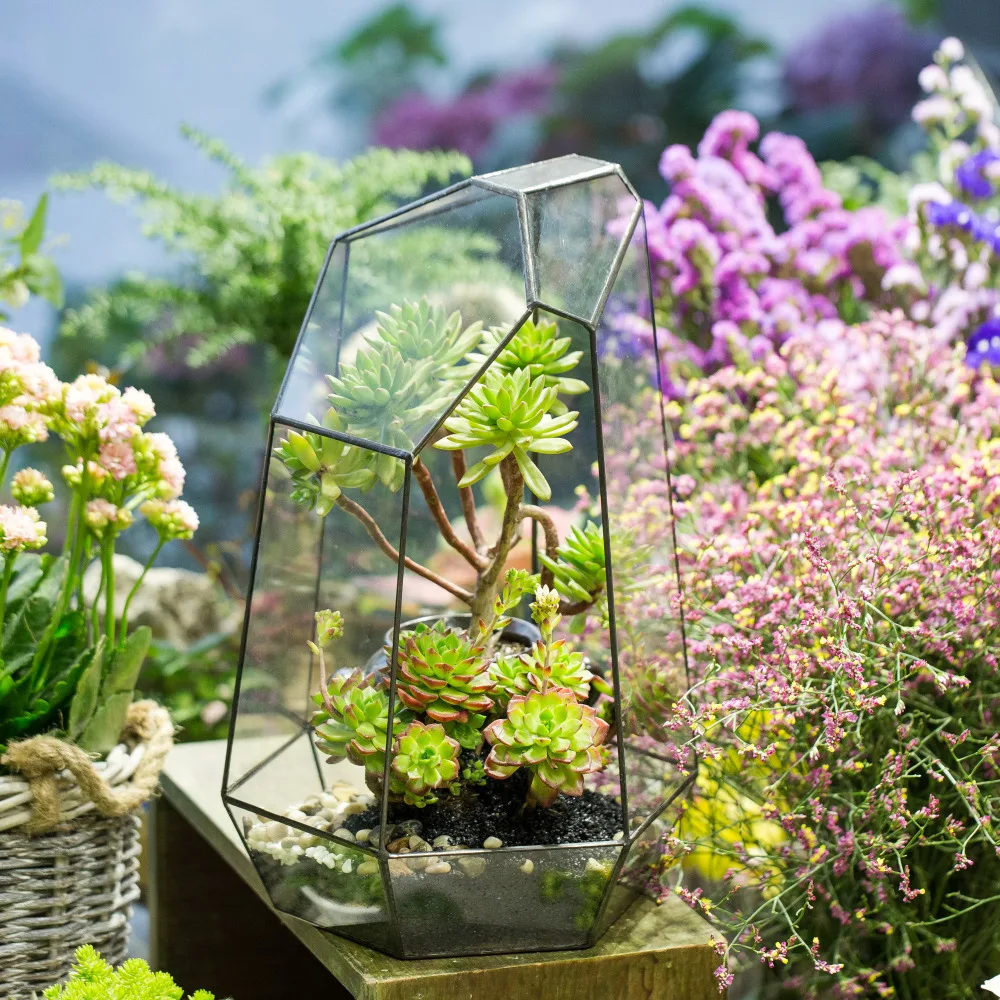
x: 550, y: 531
x: 468, y: 502
x: 489, y: 579
x: 423, y: 477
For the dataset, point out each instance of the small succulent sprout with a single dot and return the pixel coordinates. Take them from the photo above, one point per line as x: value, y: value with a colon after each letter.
x: 517, y: 583
x: 443, y: 675
x: 538, y: 349
x: 322, y: 468
x: 352, y: 721
x: 558, y: 739
x: 578, y: 569
x: 510, y: 413
x: 422, y: 332
x: 425, y: 758
x: 510, y: 675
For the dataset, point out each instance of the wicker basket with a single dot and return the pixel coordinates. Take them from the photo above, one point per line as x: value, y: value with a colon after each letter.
x: 75, y: 883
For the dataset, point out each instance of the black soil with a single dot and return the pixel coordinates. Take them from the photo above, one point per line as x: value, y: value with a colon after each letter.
x: 497, y: 809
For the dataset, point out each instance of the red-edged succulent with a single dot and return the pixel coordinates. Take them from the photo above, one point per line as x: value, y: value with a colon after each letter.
x: 552, y: 734
x: 443, y: 675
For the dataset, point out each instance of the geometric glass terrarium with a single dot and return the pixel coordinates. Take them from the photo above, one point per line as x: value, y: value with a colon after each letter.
x: 434, y: 750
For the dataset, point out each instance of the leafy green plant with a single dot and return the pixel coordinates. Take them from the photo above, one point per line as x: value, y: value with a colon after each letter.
x: 554, y: 736
x: 24, y: 269
x: 425, y: 758
x: 94, y: 979
x: 252, y: 252
x: 577, y: 567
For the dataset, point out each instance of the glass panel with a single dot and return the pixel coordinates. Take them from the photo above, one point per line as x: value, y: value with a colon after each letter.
x: 492, y: 902
x: 303, y: 396
x: 411, y: 293
x: 270, y: 706
x: 574, y: 234
x: 560, y: 170
x: 651, y: 652
x: 330, y: 884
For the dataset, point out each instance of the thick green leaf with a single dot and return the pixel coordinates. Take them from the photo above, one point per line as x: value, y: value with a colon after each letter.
x: 84, y: 703
x: 106, y: 726
x: 123, y: 671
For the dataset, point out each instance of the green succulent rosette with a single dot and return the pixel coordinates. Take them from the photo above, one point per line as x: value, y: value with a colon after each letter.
x: 579, y: 570
x: 552, y: 734
x: 516, y: 675
x: 537, y: 349
x: 357, y: 728
x: 425, y: 758
x: 509, y: 412
x: 443, y: 676
x: 422, y: 332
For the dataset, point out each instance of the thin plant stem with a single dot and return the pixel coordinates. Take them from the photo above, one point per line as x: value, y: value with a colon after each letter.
x: 468, y: 502
x: 423, y: 476
x: 108, y: 556
x: 137, y: 585
x: 4, y: 466
x: 8, y: 571
x: 375, y: 533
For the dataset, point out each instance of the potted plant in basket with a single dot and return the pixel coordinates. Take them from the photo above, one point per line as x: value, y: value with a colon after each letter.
x: 67, y: 671
x: 463, y: 747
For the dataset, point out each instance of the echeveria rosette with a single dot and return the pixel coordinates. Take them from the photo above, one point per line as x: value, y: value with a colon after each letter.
x: 554, y: 736
x: 538, y: 349
x: 516, y: 675
x: 425, y: 758
x: 422, y: 332
x: 443, y: 676
x: 509, y: 412
x: 578, y: 569
x: 357, y: 728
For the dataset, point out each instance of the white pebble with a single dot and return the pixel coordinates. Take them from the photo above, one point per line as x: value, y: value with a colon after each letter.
x: 275, y: 831
x: 368, y: 868
x: 354, y: 809
x: 344, y: 834
x: 438, y: 868
x: 473, y: 866
x: 492, y: 843
x: 346, y: 868
x: 442, y: 842
x: 362, y: 836
x: 343, y: 793
x: 528, y: 867
x: 618, y: 836
x: 296, y: 814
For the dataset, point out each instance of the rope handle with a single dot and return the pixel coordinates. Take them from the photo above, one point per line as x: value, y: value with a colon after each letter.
x: 41, y: 758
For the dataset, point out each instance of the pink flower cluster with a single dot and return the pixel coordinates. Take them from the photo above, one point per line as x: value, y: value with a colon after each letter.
x: 839, y: 537
x: 28, y: 390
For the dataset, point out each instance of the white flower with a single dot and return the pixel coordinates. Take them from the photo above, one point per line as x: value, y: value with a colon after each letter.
x: 937, y: 109
x: 993, y: 985
x: 952, y: 49
x: 933, y: 78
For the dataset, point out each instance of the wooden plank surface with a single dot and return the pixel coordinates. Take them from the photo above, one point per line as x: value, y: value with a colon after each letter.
x: 659, y: 952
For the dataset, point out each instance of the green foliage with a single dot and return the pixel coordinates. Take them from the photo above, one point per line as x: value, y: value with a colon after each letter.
x: 353, y: 721
x: 24, y: 270
x: 538, y: 348
x: 861, y: 181
x: 425, y: 758
x: 578, y: 569
x: 554, y: 736
x: 36, y: 689
x: 510, y: 413
x: 93, y: 979
x: 443, y: 675
x: 420, y: 331
x: 252, y: 252
x: 105, y: 692
x: 517, y: 583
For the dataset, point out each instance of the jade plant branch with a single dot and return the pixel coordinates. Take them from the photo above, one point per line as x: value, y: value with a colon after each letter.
x: 403, y: 374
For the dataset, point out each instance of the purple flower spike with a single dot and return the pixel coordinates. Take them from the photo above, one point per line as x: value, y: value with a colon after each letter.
x: 955, y: 213
x: 971, y: 175
x: 984, y: 345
